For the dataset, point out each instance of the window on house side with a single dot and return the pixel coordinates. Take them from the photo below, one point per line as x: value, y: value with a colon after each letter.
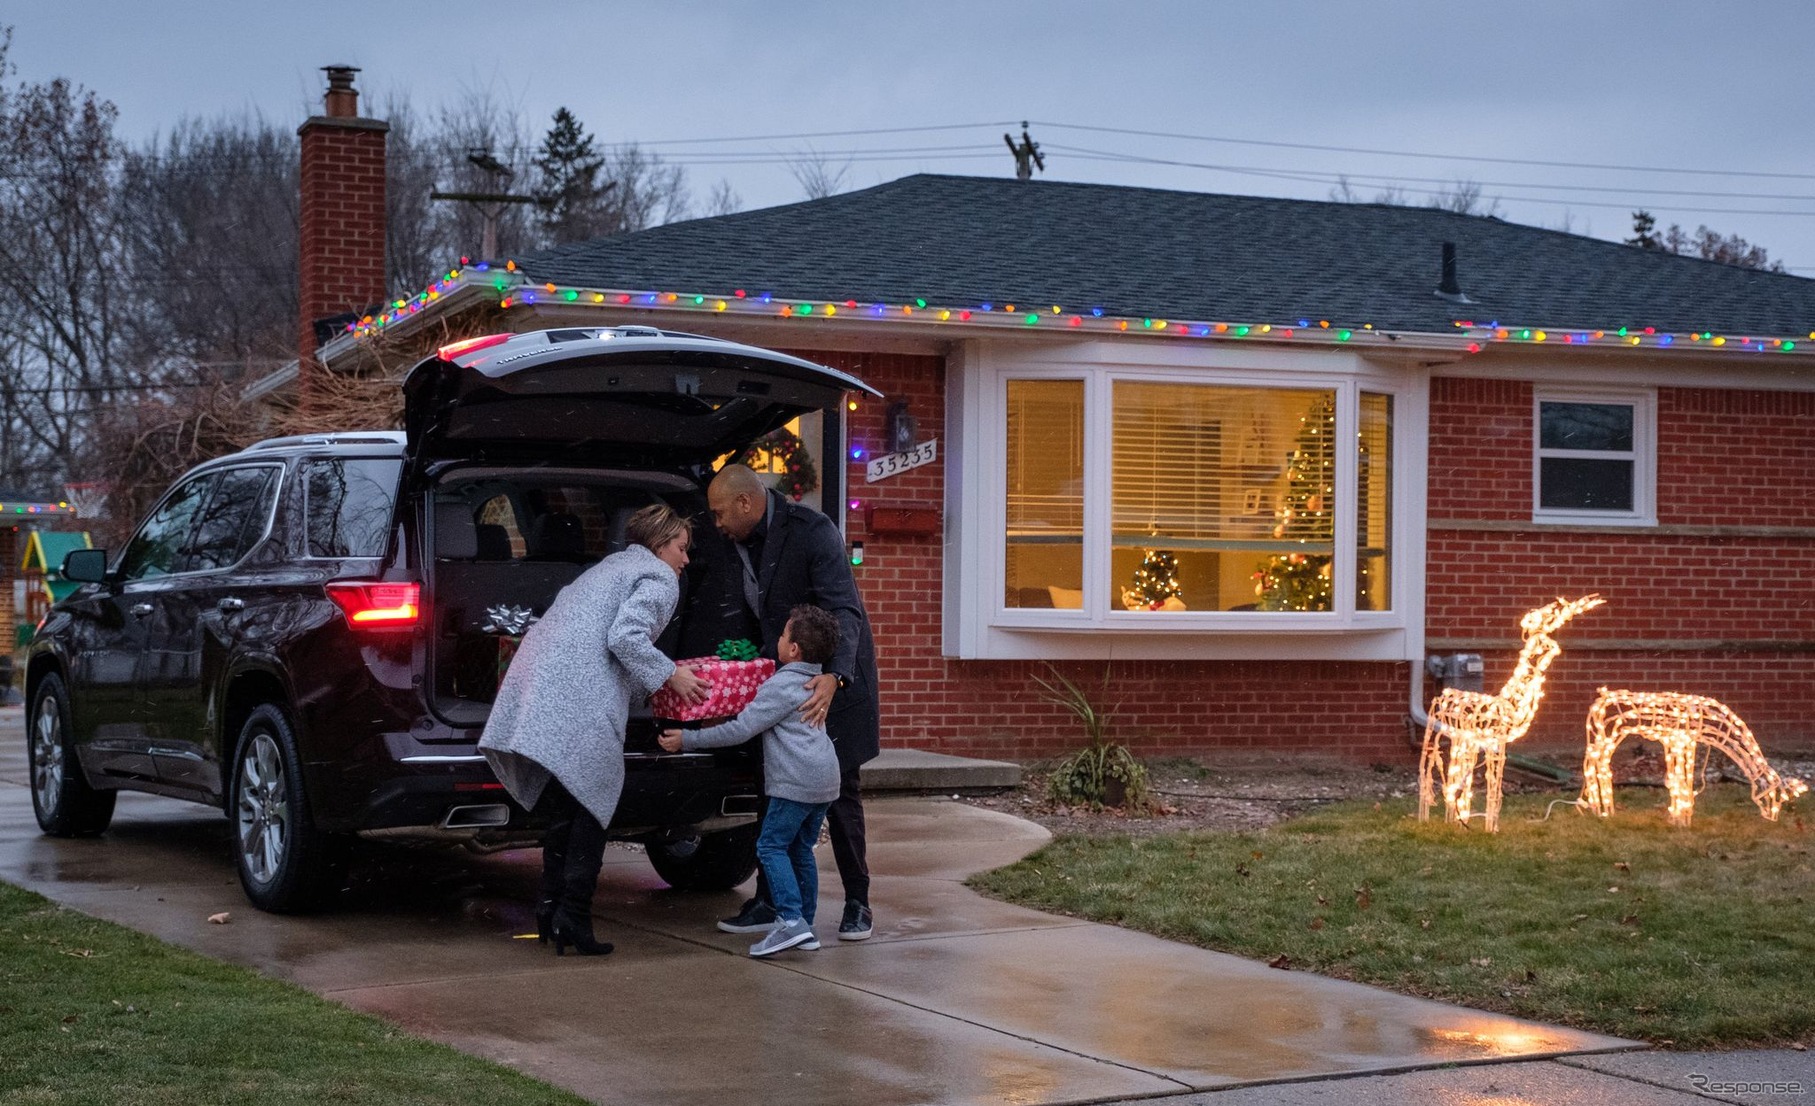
x: 1222, y: 498
x: 1045, y: 534
x: 1374, y: 505
x: 1593, y: 457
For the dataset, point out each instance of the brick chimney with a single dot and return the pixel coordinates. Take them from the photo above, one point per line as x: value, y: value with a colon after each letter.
x: 341, y: 259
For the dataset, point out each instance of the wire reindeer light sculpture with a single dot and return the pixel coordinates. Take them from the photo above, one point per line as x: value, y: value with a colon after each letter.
x: 1679, y: 722
x: 1478, y: 726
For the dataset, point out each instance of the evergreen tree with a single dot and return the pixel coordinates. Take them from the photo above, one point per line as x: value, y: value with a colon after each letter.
x: 575, y: 199
x: 1644, y: 232
x: 1155, y: 581
x: 1301, y: 581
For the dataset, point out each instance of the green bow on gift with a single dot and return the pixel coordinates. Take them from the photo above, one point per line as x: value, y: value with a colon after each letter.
x: 737, y: 649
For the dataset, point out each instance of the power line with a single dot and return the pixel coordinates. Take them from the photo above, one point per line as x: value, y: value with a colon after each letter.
x: 1335, y: 178
x: 1436, y: 157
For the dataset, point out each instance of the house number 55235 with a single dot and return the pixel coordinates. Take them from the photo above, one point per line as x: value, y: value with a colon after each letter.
x: 894, y: 464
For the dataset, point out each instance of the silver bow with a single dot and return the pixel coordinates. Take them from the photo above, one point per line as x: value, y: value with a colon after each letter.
x: 508, y: 620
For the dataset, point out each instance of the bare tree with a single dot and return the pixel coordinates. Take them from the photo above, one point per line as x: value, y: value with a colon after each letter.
x: 1464, y: 198
x: 1709, y: 245
x: 646, y: 191
x: 419, y: 241
x: 817, y: 177
x: 61, y: 286
x: 209, y: 218
x: 723, y: 200
x: 474, y: 130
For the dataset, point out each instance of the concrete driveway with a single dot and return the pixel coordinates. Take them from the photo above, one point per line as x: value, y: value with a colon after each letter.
x: 957, y: 999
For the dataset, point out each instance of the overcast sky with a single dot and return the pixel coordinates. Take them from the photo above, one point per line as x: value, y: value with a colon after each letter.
x: 1636, y: 88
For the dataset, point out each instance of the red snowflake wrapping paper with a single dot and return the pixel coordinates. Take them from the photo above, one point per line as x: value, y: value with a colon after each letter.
x: 734, y: 684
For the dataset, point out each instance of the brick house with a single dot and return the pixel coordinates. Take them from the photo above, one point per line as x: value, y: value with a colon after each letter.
x: 1351, y: 435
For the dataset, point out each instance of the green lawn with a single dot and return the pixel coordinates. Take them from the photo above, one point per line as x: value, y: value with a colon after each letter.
x: 94, y: 1013
x: 1702, y: 937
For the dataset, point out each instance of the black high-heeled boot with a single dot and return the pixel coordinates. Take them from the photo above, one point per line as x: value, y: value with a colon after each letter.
x: 554, y: 871
x: 576, y: 933
x: 585, y: 855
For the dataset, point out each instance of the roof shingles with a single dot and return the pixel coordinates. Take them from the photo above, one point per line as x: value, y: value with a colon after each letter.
x: 1184, y: 255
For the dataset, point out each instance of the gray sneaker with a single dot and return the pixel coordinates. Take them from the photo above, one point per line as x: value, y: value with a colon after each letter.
x: 785, y: 935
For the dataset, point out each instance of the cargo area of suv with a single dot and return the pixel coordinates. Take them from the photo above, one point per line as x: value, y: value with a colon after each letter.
x: 309, y: 634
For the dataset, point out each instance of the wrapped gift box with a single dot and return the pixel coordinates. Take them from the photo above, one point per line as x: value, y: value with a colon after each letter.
x: 734, y: 684
x: 507, y: 648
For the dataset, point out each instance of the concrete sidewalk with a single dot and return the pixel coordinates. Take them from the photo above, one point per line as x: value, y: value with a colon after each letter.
x: 958, y: 999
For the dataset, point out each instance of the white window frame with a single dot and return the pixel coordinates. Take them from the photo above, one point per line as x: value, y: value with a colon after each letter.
x: 1643, y: 456
x: 978, y: 621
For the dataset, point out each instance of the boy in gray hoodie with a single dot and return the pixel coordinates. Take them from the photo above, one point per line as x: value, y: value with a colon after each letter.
x: 800, y: 774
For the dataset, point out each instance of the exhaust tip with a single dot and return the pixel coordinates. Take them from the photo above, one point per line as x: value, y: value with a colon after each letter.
x: 480, y: 816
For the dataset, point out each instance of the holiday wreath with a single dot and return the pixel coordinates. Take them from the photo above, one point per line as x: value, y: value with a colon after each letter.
x: 781, y: 452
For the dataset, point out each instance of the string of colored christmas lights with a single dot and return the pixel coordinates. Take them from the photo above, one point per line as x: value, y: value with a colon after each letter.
x: 29, y: 507
x: 514, y: 288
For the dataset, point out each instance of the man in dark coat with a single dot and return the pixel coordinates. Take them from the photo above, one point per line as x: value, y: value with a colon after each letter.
x: 789, y: 554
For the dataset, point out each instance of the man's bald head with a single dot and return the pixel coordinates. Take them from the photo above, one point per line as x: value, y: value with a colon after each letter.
x: 738, y: 500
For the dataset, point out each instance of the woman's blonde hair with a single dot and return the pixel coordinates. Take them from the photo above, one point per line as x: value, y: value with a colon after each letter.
x: 655, y: 526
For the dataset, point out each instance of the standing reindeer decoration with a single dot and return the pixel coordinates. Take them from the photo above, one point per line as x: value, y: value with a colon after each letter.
x: 1478, y: 727
x: 1679, y: 723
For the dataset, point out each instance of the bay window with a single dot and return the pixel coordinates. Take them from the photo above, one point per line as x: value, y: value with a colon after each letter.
x: 1147, y: 500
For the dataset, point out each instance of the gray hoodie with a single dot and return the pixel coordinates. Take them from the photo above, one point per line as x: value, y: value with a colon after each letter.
x: 799, y: 762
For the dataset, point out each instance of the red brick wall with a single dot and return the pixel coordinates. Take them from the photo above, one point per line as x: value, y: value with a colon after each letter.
x: 1727, y: 614
x: 993, y: 708
x: 341, y: 258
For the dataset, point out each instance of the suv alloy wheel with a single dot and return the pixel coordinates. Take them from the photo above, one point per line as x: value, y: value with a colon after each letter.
x: 62, y: 799
x: 285, y: 864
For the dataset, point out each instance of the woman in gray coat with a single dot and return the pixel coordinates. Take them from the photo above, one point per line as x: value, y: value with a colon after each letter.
x: 555, y: 737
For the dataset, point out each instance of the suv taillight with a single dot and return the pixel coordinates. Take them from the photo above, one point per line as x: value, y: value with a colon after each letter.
x: 377, y: 606
x: 468, y: 345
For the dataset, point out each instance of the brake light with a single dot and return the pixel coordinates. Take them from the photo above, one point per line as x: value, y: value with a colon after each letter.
x: 377, y: 606
x: 468, y: 345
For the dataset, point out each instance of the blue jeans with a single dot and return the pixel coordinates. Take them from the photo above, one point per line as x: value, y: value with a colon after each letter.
x: 785, y: 850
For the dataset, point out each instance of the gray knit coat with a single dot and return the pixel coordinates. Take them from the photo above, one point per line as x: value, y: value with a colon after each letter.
x: 562, y: 707
x: 799, y: 762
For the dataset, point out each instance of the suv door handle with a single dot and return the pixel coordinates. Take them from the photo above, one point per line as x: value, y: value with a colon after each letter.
x: 232, y: 603
x: 140, y: 610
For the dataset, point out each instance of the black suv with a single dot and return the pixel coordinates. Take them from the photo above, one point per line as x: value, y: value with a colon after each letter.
x: 309, y: 633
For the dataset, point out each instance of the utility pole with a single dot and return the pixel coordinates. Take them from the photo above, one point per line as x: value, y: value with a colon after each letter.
x: 1027, y: 154
x: 491, y: 203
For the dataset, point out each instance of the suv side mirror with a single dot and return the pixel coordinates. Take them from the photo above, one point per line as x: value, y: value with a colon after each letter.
x: 85, y: 566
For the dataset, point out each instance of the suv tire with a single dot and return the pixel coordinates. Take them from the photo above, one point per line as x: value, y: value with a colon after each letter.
x: 706, y: 862
x: 63, y: 800
x: 286, y: 865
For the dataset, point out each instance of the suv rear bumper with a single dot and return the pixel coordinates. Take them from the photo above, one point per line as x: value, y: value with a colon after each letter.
x: 661, y: 793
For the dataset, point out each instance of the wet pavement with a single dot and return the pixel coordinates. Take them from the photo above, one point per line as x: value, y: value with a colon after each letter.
x: 957, y: 999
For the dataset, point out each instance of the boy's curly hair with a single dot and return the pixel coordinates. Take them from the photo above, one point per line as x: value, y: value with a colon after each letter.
x: 815, y: 631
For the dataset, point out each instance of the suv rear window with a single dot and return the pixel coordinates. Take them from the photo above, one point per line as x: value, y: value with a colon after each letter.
x: 347, y: 505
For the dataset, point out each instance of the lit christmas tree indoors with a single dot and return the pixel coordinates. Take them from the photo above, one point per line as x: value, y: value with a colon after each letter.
x: 1301, y: 581
x: 1156, y: 585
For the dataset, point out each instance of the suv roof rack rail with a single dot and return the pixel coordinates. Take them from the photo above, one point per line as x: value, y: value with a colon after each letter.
x: 358, y: 437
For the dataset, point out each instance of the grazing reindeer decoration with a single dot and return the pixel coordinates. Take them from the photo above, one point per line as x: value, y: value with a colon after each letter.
x: 1479, y: 726
x: 1679, y: 723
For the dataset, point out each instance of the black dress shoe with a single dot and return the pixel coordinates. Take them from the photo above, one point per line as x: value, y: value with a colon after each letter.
x: 757, y: 916
x: 857, y: 924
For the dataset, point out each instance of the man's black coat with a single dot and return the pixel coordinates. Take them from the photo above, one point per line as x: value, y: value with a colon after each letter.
x: 804, y: 561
